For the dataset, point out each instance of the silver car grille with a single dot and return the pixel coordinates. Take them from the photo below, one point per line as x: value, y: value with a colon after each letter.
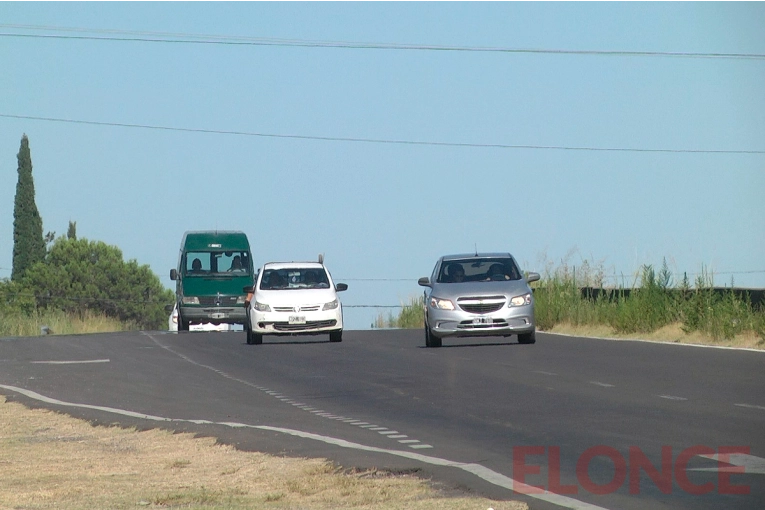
x: 495, y: 324
x: 481, y: 304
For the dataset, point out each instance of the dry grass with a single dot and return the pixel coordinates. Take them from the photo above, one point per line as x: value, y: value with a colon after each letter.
x: 51, y: 460
x: 670, y: 333
x: 60, y: 323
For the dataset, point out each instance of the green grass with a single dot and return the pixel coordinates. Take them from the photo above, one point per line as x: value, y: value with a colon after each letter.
x: 411, y: 316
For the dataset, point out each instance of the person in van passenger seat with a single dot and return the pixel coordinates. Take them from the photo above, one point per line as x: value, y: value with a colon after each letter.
x: 236, y: 264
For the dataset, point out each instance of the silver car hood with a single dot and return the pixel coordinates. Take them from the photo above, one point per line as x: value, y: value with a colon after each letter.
x: 454, y: 290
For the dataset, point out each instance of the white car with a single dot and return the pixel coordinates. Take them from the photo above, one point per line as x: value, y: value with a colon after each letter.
x: 172, y: 324
x: 294, y: 298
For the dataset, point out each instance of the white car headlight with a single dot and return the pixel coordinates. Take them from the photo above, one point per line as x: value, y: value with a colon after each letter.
x: 193, y: 300
x: 331, y: 305
x: 261, y: 307
x: 521, y: 300
x: 443, y: 304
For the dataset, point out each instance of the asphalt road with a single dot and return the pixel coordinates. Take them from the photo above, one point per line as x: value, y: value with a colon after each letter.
x: 611, y: 424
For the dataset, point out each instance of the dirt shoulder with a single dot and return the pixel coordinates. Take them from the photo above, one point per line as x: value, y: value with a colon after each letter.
x: 672, y: 333
x: 51, y: 460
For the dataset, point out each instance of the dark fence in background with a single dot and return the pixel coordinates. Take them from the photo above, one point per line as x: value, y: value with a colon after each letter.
x: 755, y: 296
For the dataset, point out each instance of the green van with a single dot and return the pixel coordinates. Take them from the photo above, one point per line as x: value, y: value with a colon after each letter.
x: 213, y: 267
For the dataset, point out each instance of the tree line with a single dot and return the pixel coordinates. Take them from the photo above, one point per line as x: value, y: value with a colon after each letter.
x: 77, y: 276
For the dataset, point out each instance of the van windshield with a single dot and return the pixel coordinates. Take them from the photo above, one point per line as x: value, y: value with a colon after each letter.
x: 217, y: 263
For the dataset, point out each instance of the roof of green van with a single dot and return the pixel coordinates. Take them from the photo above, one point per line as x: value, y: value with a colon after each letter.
x: 204, y: 240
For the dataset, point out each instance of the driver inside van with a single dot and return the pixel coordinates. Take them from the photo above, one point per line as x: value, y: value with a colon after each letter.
x: 196, y: 266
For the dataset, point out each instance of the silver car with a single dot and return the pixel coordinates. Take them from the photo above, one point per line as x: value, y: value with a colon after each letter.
x: 482, y: 294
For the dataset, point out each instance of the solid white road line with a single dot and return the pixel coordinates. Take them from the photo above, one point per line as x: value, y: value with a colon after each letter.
x: 478, y: 470
x: 750, y: 463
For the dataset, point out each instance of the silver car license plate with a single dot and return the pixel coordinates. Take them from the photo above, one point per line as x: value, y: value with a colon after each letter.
x: 297, y: 319
x: 483, y: 320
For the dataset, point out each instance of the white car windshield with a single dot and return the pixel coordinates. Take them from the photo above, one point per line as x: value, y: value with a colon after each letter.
x: 294, y: 278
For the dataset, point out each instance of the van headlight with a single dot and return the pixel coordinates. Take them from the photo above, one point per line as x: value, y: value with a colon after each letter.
x: 520, y: 300
x: 190, y: 300
x: 240, y: 300
x: 331, y: 305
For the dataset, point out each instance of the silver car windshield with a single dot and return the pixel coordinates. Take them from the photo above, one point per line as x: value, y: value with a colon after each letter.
x: 294, y: 278
x: 478, y: 270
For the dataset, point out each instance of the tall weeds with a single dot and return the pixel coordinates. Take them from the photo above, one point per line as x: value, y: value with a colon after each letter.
x: 411, y: 316
x: 651, y: 303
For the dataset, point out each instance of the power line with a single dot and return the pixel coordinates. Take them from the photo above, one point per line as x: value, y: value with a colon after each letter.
x: 383, y: 141
x: 171, y: 38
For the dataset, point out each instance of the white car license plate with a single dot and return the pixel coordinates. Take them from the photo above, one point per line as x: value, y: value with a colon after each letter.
x: 483, y: 320
x: 297, y: 319
x: 218, y: 315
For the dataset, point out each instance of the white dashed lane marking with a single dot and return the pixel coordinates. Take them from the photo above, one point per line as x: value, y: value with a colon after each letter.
x: 602, y: 384
x: 80, y: 362
x: 671, y: 397
x: 285, y: 398
x: 750, y: 406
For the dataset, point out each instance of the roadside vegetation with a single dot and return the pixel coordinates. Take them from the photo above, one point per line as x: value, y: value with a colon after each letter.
x: 69, y: 285
x: 51, y: 460
x: 571, y: 299
x: 82, y: 286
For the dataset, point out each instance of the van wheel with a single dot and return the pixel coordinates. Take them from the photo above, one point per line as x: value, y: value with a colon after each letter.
x: 336, y: 336
x: 183, y: 325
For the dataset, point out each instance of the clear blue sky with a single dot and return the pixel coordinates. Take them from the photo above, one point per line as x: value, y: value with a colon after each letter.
x: 387, y: 211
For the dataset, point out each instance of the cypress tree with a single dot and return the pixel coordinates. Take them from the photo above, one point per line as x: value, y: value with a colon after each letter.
x: 72, y: 232
x: 28, y: 242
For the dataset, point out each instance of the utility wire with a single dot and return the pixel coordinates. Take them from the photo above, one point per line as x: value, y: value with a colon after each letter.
x: 169, y: 38
x: 381, y: 140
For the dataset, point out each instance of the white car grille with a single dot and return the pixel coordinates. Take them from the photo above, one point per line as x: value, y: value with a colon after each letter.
x: 302, y: 308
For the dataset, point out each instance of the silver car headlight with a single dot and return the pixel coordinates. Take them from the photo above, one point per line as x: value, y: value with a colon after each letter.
x: 441, y: 304
x: 190, y: 300
x: 520, y: 300
x: 261, y: 307
x: 331, y: 305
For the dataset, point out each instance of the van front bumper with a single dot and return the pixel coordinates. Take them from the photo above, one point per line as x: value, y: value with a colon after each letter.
x: 214, y: 314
